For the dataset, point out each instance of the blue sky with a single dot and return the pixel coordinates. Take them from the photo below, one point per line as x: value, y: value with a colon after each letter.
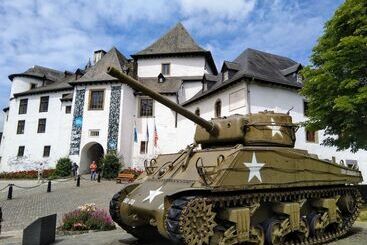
x: 63, y: 34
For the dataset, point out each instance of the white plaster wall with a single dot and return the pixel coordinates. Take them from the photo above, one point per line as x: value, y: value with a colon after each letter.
x: 189, y: 89
x: 164, y: 119
x: 22, y: 84
x: 127, y: 116
x: 263, y: 97
x: 180, y: 66
x: 34, y: 142
x: 94, y: 120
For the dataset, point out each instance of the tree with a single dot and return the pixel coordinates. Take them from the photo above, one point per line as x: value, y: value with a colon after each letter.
x: 111, y: 165
x: 63, y: 167
x: 336, y: 82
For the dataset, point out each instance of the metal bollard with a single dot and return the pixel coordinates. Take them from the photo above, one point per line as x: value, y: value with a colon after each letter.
x: 49, y: 186
x: 99, y: 177
x: 1, y: 217
x: 10, y: 192
x: 78, y: 181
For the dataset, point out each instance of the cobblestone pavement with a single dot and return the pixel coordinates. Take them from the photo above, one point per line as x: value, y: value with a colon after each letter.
x: 29, y: 204
x: 357, y: 236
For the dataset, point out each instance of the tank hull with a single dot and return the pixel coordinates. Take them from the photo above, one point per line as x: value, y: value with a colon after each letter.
x: 246, y: 180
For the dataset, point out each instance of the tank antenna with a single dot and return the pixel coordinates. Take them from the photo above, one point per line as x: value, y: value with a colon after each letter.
x: 290, y: 110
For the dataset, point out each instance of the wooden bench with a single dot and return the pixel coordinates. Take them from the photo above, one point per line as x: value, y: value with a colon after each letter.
x: 125, y: 177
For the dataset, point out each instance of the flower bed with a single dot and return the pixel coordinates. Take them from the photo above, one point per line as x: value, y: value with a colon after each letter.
x: 28, y: 174
x: 87, y: 217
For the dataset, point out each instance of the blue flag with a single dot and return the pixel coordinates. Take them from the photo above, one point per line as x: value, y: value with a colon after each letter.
x: 135, y: 133
x: 147, y: 133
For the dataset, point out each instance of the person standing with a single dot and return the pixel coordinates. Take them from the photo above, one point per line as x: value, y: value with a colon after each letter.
x: 74, y: 170
x: 93, y: 170
x: 40, y: 173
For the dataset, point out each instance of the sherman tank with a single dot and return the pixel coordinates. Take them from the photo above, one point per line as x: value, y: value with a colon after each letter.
x: 241, y: 182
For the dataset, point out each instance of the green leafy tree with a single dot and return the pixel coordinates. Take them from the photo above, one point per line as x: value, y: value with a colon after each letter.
x: 63, y: 167
x: 111, y: 165
x: 336, y: 83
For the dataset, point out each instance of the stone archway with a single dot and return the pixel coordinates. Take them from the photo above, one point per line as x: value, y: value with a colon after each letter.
x: 92, y: 151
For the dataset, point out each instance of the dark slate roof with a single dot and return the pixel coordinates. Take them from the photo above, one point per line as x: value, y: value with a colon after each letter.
x: 97, y: 73
x: 176, y: 41
x: 53, y: 87
x: 171, y: 85
x: 41, y: 72
x: 231, y: 66
x: 258, y: 65
x: 212, y: 78
x: 68, y: 97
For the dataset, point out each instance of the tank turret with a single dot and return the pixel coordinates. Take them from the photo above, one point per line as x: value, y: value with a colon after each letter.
x: 264, y: 128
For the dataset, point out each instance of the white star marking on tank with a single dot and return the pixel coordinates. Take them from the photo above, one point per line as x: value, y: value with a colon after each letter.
x: 275, y: 129
x: 153, y: 194
x: 254, y: 168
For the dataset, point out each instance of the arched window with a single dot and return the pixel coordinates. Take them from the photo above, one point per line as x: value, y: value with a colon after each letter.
x: 197, y: 111
x: 218, y: 108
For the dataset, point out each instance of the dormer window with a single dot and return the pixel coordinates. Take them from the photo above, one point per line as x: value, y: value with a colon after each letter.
x: 161, y: 78
x: 225, y: 75
x: 33, y: 85
x: 166, y: 69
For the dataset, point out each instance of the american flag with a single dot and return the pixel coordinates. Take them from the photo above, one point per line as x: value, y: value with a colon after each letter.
x: 155, y: 136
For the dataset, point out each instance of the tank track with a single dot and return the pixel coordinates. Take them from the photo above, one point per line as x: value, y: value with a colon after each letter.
x: 226, y: 201
x: 143, y: 233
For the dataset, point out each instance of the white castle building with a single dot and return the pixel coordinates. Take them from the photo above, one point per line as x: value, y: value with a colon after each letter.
x: 86, y: 113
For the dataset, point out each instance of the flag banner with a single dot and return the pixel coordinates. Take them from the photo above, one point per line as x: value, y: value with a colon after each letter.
x: 147, y: 133
x: 135, y: 133
x: 155, y: 135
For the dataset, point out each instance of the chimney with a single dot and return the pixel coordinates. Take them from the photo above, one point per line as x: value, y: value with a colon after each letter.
x: 98, y: 54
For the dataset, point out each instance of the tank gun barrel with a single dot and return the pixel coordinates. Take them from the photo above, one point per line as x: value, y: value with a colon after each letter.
x: 209, y: 127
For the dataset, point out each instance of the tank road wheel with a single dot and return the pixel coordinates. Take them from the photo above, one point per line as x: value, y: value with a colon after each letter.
x: 143, y: 233
x: 317, y: 223
x: 191, y: 221
x: 347, y: 204
x: 273, y: 231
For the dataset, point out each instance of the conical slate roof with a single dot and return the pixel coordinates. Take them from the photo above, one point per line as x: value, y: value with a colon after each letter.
x: 177, y: 40
x: 98, y: 71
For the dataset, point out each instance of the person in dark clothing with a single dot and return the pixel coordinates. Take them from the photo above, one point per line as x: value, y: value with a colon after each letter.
x: 74, y: 170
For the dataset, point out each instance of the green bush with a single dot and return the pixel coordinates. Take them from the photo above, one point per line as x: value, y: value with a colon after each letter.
x: 63, y: 167
x: 111, y: 165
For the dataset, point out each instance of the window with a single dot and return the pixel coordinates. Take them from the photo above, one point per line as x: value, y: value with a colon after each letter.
x: 41, y: 125
x: 305, y: 108
x: 225, y: 76
x: 46, y: 150
x: 23, y: 104
x: 166, y: 69
x: 218, y: 108
x: 146, y: 107
x: 143, y: 147
x: 94, y: 133
x: 68, y: 109
x: 33, y: 85
x: 20, y: 151
x: 96, y: 99
x: 20, y: 128
x: 311, y: 136
x: 197, y: 112
x: 44, y: 104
